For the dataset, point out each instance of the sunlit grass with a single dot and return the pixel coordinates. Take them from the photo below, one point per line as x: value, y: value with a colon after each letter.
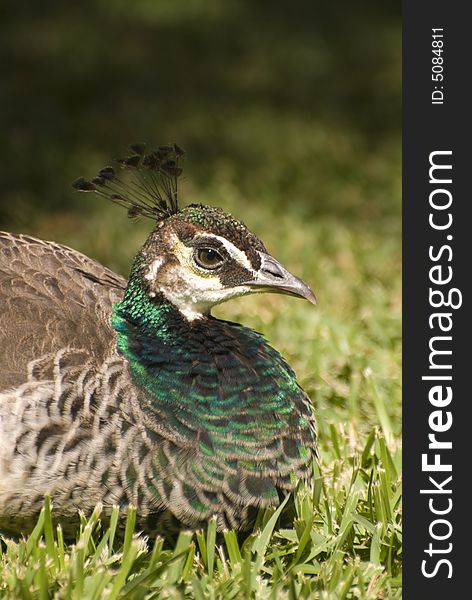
x: 345, y: 541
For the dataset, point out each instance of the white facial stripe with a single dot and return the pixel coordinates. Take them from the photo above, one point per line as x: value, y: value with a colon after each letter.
x: 154, y: 268
x: 238, y: 255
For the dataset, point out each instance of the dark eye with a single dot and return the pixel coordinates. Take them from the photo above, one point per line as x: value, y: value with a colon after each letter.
x: 207, y: 258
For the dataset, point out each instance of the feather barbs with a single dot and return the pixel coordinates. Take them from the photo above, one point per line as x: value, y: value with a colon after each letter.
x: 152, y: 191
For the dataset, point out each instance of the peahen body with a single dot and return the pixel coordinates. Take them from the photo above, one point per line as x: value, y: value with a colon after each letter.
x: 130, y: 392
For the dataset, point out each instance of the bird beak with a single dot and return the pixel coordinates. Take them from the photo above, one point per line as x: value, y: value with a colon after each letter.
x: 273, y: 277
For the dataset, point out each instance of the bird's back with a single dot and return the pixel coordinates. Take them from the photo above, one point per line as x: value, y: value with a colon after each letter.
x: 51, y: 297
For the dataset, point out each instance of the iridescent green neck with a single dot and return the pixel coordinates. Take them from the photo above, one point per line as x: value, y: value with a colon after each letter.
x: 138, y: 309
x: 150, y: 336
x: 208, y: 378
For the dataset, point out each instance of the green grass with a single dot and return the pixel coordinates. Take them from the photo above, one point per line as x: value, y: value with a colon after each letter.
x: 345, y: 541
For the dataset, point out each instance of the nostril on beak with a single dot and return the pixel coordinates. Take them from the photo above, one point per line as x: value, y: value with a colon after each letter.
x: 273, y: 271
x: 274, y: 277
x: 273, y: 268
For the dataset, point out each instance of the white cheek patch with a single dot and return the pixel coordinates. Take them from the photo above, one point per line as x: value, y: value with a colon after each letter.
x: 154, y: 268
x: 194, y: 295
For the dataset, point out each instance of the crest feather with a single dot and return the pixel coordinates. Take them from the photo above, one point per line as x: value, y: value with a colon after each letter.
x: 152, y: 190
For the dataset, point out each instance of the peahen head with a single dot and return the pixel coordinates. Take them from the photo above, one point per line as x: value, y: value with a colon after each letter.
x: 197, y: 256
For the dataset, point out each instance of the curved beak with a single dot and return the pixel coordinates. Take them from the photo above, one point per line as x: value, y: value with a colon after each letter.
x: 273, y: 277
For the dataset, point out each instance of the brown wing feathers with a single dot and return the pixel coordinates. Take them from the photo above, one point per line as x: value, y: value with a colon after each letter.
x: 51, y: 297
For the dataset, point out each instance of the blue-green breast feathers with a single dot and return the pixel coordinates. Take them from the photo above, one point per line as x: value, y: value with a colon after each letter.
x: 229, y: 404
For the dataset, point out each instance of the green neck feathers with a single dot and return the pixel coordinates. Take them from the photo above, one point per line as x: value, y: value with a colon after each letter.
x: 220, y: 372
x: 216, y: 388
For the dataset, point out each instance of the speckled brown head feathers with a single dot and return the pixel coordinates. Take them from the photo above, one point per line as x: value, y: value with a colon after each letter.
x: 199, y: 218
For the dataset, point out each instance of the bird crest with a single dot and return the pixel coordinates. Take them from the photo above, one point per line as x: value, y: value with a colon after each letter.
x: 151, y: 192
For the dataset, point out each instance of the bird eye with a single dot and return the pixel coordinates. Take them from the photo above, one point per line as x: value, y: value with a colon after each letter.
x: 207, y: 258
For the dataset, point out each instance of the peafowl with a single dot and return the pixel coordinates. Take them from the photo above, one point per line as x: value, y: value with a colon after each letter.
x: 118, y: 392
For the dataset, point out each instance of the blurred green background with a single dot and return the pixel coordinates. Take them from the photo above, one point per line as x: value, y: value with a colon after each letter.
x: 290, y: 116
x: 290, y: 113
x: 296, y: 105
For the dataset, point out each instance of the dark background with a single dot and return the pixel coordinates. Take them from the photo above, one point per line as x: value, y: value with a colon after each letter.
x: 293, y: 104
